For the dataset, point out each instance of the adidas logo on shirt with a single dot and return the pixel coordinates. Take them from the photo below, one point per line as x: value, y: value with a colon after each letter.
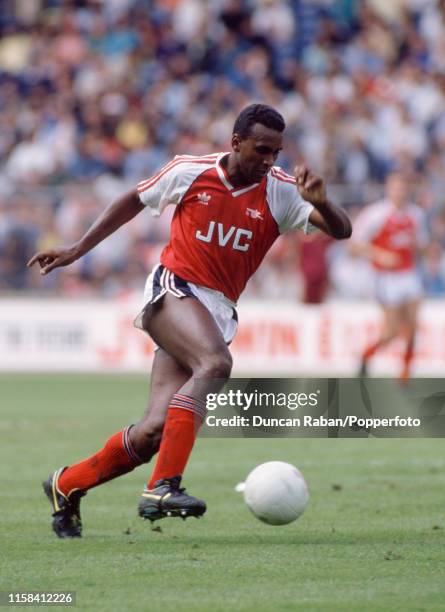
x: 255, y: 214
x: 203, y: 198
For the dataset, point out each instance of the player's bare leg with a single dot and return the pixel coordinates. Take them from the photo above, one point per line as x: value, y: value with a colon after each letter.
x: 65, y: 487
x: 391, y: 329
x: 186, y: 330
x: 167, y: 377
x: 410, y: 311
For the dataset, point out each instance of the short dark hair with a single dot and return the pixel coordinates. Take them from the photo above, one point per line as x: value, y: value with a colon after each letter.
x: 258, y: 113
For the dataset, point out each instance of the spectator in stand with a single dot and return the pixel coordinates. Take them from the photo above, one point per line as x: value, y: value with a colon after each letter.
x: 314, y: 267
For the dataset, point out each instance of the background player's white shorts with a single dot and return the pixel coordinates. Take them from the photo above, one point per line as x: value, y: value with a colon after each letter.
x: 396, y: 288
x: 161, y: 281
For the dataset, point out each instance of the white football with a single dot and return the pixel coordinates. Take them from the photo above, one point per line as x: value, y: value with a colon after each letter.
x: 276, y: 492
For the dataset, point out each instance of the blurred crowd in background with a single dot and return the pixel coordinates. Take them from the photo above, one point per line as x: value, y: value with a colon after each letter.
x: 96, y: 95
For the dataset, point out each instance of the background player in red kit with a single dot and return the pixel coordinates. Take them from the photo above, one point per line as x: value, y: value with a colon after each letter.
x: 390, y: 233
x: 230, y: 208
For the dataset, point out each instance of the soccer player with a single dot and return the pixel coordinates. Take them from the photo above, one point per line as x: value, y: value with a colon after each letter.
x: 230, y: 208
x: 390, y: 234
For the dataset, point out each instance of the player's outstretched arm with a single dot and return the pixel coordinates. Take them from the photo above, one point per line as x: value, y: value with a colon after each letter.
x: 116, y: 214
x: 329, y: 218
x: 383, y: 257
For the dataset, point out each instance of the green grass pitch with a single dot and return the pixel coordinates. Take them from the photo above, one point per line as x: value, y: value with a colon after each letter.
x: 372, y: 537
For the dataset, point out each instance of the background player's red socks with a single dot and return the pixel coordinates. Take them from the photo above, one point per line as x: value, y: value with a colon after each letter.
x: 407, y: 359
x: 370, y: 350
x: 184, y: 418
x: 117, y: 457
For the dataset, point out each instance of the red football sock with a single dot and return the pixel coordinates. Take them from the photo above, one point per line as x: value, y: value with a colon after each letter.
x: 184, y: 418
x: 369, y: 352
x: 117, y: 457
x: 407, y: 359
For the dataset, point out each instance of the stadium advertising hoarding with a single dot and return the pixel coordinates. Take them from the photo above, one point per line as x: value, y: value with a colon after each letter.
x: 274, y: 338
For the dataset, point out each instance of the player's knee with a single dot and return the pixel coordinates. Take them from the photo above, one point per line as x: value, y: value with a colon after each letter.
x: 216, y: 366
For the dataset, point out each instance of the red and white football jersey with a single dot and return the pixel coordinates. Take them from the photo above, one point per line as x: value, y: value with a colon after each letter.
x: 399, y: 230
x: 219, y: 234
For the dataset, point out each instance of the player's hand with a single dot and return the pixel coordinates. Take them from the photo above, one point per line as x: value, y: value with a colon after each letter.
x: 310, y: 186
x: 54, y: 258
x: 386, y: 259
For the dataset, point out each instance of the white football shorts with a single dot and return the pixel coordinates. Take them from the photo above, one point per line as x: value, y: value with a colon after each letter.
x: 161, y: 281
x: 397, y: 288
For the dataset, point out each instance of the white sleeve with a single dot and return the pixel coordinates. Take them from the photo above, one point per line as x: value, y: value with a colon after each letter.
x: 169, y: 185
x: 369, y: 222
x: 287, y: 206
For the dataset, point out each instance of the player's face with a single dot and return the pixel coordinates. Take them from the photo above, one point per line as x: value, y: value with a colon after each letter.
x: 256, y: 154
x: 397, y: 189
